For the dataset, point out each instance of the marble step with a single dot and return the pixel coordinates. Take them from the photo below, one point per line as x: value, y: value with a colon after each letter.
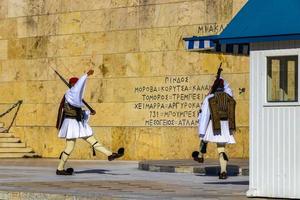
x: 15, y: 150
x: 9, y: 144
x: 6, y: 135
x: 1, y: 124
x: 19, y: 155
x: 11, y: 140
x: 2, y: 129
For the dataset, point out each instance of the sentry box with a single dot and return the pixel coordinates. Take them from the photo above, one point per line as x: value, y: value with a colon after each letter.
x: 269, y: 32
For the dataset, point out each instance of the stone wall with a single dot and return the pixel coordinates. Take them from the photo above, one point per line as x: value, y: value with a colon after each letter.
x: 137, y: 52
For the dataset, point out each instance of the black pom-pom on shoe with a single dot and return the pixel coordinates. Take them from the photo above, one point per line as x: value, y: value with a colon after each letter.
x: 63, y: 172
x: 196, y: 158
x: 119, y: 154
x: 195, y: 154
x: 70, y: 170
x: 121, y: 151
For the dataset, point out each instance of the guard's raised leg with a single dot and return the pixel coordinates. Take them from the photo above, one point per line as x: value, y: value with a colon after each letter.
x: 96, y: 145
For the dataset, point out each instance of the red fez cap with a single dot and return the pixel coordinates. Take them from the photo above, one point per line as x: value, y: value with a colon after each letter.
x: 73, y: 80
x: 219, y: 83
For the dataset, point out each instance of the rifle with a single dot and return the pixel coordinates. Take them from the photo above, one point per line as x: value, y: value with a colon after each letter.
x: 65, y: 82
x: 217, y: 81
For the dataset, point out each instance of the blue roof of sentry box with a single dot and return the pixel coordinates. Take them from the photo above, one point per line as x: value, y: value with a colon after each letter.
x: 264, y: 20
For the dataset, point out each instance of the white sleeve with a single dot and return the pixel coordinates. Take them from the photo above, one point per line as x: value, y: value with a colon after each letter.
x: 204, y: 117
x: 74, y: 95
x: 227, y: 89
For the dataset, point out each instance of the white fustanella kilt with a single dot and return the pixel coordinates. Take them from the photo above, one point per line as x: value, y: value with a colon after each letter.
x: 224, y: 137
x: 71, y: 128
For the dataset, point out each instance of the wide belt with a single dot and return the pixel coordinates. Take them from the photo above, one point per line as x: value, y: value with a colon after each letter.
x: 222, y: 118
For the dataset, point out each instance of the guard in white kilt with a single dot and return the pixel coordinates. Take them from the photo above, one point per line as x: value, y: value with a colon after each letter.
x: 72, y: 123
x: 217, y: 122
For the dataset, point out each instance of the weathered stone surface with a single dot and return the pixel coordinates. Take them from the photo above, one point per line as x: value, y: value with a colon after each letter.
x: 144, y: 64
x: 124, y: 41
x: 95, y: 21
x: 78, y: 5
x: 26, y: 69
x: 175, y: 14
x: 3, y: 49
x: 165, y: 15
x: 114, y: 65
x: 197, y: 12
x: 37, y: 47
x: 124, y: 3
x: 27, y: 26
x: 66, y: 45
x: 48, y: 25
x: 150, y: 2
x: 53, y: 6
x: 218, y: 10
x: 35, y: 7
x: 17, y: 8
x: 77, y: 65
x: 124, y: 18
x: 131, y: 45
x: 92, y: 43
x: 9, y: 89
x: 69, y: 23
x: 3, y: 8
x: 159, y: 39
x: 242, y: 113
x: 8, y: 28
x: 17, y: 48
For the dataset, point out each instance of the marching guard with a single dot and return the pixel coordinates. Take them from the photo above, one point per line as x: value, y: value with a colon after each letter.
x: 72, y: 122
x: 217, y: 122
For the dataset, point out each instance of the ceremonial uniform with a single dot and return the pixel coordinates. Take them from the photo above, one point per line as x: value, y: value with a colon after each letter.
x: 72, y: 123
x: 217, y: 123
x: 206, y: 132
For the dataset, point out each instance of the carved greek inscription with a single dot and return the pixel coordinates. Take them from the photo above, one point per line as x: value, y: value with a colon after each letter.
x: 173, y: 101
x: 210, y: 28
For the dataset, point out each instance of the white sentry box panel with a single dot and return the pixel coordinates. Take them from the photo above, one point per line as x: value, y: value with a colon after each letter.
x: 274, y: 129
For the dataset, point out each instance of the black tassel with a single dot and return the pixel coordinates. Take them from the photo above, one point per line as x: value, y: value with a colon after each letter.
x: 94, y: 152
x: 224, y: 156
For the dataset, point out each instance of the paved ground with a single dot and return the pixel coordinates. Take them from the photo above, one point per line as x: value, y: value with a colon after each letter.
x: 235, y: 167
x: 36, y: 179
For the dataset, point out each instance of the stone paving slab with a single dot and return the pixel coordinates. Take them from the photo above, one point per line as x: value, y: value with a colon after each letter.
x: 30, y: 179
x: 209, y: 167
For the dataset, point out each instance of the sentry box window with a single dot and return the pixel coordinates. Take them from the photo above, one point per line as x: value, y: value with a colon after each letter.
x: 282, y: 79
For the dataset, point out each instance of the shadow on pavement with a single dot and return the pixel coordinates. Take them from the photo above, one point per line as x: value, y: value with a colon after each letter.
x: 97, y: 171
x: 229, y: 183
x: 92, y: 171
x: 232, y: 170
